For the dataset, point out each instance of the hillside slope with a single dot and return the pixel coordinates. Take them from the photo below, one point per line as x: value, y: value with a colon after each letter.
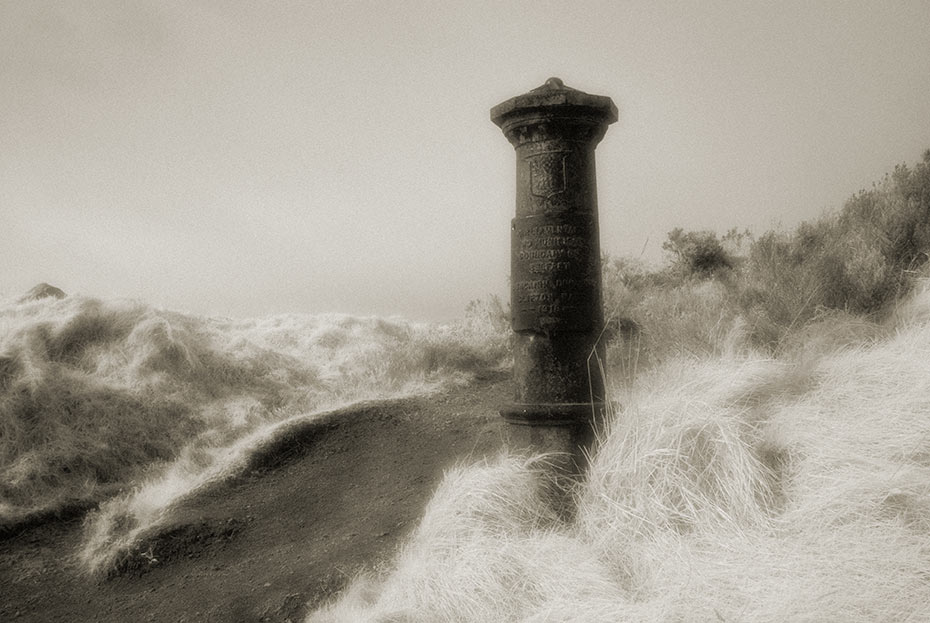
x: 325, y: 499
x: 730, y: 487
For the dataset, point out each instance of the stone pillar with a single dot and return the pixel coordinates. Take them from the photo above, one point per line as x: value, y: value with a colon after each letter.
x: 557, y: 314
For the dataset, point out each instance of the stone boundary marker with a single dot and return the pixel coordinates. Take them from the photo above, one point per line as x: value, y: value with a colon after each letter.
x: 557, y: 314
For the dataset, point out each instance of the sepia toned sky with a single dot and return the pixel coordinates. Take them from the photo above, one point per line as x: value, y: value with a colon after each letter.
x: 240, y: 158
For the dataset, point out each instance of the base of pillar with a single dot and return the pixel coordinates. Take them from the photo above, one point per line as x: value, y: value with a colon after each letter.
x: 565, y: 431
x: 553, y: 414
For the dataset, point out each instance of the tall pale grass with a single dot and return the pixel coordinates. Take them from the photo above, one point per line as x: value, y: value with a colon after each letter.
x: 689, y: 319
x: 729, y: 487
x: 117, y: 404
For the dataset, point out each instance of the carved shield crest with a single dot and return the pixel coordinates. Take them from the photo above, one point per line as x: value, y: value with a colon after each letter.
x: 547, y: 173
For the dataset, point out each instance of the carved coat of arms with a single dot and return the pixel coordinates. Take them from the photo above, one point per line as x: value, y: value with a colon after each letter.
x: 547, y: 173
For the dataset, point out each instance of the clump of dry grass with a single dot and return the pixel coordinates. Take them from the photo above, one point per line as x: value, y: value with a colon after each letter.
x: 728, y: 488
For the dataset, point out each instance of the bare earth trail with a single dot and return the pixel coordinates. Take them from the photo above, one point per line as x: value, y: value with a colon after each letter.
x: 326, y: 501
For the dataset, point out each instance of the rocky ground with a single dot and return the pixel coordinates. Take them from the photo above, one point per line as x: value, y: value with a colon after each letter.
x: 323, y: 502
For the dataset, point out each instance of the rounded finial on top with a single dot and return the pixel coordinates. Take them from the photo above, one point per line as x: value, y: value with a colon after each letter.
x: 555, y: 83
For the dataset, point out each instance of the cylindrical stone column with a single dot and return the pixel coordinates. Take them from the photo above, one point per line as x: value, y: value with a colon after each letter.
x: 557, y: 315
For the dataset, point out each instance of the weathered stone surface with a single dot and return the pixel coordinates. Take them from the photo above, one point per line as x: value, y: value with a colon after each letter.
x: 555, y: 259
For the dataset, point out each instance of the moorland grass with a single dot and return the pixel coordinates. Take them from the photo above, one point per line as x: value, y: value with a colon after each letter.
x: 731, y: 487
x: 123, y: 406
x: 768, y: 462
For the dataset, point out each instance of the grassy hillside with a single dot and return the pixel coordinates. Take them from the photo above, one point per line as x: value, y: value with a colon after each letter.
x: 732, y: 487
x: 768, y: 461
x: 763, y: 291
x: 118, y: 404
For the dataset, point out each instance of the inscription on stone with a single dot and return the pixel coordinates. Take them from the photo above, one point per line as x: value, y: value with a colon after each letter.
x: 554, y: 276
x: 555, y: 265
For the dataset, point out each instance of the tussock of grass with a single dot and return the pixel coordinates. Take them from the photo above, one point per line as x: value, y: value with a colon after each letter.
x: 691, y: 319
x: 129, y: 407
x: 729, y: 487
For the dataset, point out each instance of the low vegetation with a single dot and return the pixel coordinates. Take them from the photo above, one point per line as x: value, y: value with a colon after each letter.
x: 122, y: 408
x: 761, y: 291
x: 768, y: 460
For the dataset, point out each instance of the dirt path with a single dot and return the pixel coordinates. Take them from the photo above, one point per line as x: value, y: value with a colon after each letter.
x: 325, y: 502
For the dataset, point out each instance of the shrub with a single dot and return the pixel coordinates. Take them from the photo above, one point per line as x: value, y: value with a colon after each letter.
x: 697, y: 253
x: 857, y: 260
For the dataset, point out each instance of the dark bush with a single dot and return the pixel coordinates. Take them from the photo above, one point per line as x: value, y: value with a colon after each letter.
x: 697, y: 253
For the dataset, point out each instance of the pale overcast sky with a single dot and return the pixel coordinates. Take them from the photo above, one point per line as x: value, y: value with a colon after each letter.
x: 243, y: 158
